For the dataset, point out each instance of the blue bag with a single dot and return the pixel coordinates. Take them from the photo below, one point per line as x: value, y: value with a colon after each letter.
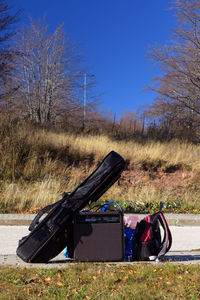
x: 128, y: 238
x: 65, y: 253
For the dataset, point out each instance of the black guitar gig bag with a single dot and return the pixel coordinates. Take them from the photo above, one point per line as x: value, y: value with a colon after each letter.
x: 50, y: 236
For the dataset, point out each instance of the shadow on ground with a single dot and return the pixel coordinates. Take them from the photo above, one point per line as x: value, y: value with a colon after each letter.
x: 182, y: 257
x: 58, y: 262
x: 168, y: 258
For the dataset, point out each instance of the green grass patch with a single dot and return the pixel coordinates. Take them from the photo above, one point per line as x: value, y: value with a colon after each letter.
x: 102, y: 281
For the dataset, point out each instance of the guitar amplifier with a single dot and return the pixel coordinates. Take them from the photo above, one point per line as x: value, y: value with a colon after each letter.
x: 98, y: 236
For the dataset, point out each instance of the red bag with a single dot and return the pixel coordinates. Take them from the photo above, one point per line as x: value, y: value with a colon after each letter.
x: 147, y: 242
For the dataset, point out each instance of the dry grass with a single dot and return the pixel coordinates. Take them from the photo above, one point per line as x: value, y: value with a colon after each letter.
x: 36, y: 166
x: 24, y: 196
x: 171, y: 153
x: 32, y: 196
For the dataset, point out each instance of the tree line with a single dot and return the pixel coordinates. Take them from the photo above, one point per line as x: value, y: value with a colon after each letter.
x: 42, y: 79
x: 177, y: 106
x: 41, y: 76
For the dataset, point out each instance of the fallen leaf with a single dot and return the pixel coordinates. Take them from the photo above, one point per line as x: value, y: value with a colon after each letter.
x: 32, y: 280
x: 118, y: 280
x: 40, y: 281
x: 48, y: 279
x: 75, y: 291
x: 99, y: 271
x: 94, y: 277
x: 59, y: 283
x: 60, y: 274
x: 125, y: 278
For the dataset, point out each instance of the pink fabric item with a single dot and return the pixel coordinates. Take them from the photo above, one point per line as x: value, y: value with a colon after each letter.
x: 131, y: 221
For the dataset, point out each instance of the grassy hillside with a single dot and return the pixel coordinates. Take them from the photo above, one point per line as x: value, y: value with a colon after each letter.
x: 37, y: 165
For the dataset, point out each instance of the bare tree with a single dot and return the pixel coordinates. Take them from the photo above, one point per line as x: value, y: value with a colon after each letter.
x: 7, y: 21
x: 47, y: 72
x: 178, y: 88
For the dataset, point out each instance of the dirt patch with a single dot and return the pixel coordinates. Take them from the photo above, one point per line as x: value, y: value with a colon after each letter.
x: 176, y: 178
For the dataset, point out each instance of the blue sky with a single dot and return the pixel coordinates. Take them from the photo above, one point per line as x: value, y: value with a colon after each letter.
x: 115, y: 36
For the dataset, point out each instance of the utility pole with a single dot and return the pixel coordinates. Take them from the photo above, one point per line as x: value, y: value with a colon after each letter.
x: 84, y: 100
x: 85, y: 97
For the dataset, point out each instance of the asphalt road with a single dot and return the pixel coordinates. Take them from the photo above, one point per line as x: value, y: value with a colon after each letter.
x: 185, y: 238
x: 185, y: 246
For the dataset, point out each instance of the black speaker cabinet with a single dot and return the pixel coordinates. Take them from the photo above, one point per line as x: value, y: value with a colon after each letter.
x: 98, y: 236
